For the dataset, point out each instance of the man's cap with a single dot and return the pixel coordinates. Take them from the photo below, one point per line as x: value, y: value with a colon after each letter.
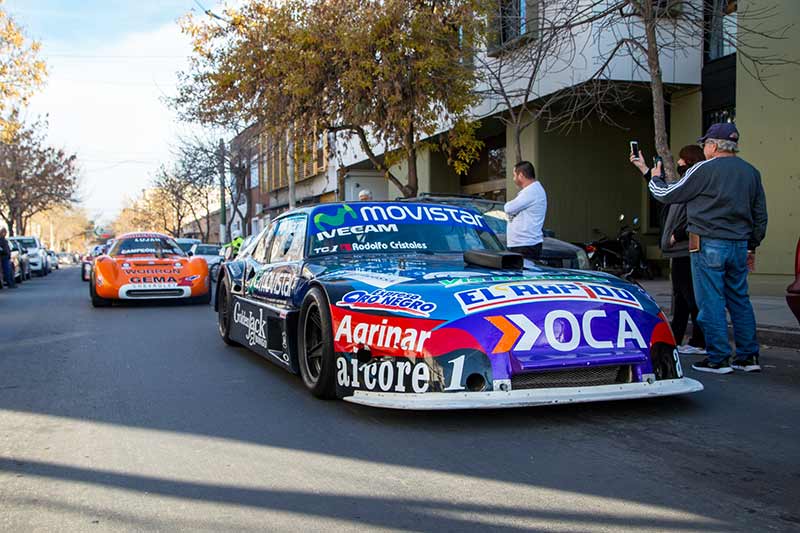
x: 724, y: 131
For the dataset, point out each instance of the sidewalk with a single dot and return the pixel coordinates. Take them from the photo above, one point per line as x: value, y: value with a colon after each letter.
x: 776, y: 324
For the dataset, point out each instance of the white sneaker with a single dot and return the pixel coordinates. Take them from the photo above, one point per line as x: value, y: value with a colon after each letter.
x: 688, y: 349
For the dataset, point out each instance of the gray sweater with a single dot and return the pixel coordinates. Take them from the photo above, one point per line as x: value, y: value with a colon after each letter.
x: 724, y: 199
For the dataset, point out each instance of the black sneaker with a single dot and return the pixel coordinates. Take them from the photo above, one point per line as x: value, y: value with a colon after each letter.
x: 715, y: 368
x: 747, y: 365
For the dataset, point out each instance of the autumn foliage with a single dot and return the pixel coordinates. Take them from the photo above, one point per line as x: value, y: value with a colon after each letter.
x: 390, y: 73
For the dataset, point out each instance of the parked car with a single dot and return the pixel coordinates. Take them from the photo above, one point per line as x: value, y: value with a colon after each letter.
x: 52, y: 260
x: 22, y: 269
x: 793, y: 290
x: 65, y: 258
x: 37, y: 254
x: 418, y: 306
x: 88, y: 259
x: 186, y: 244
x: 555, y: 253
x: 148, y: 265
x: 209, y: 252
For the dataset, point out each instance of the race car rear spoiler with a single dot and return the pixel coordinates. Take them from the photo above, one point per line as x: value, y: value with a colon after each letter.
x: 497, y: 260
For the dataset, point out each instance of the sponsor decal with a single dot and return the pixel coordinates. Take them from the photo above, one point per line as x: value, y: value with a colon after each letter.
x: 149, y: 271
x: 392, y: 301
x: 187, y: 281
x: 154, y: 279
x: 277, y: 284
x: 399, y: 336
x: 366, y: 213
x: 375, y: 279
x: 501, y: 295
x: 471, y: 278
x: 356, y: 230
x: 563, y: 331
x: 396, y: 375
x: 256, y: 325
x: 458, y: 274
x: 322, y: 219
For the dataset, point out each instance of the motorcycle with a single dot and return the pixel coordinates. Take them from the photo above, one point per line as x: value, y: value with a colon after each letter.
x: 622, y: 256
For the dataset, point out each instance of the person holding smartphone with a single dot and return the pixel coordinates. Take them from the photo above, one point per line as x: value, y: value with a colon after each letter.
x: 674, y: 244
x: 727, y: 212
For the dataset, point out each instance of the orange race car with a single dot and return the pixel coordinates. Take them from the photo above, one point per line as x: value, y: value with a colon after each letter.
x: 142, y: 266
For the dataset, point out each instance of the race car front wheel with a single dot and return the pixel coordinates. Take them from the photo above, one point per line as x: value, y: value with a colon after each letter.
x: 97, y: 301
x: 224, y: 312
x: 315, y: 345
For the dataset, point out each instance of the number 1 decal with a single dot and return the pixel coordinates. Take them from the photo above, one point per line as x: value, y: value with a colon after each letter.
x: 456, y: 375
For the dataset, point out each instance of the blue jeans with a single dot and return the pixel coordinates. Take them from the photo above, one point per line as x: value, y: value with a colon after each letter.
x: 8, y: 272
x: 719, y: 271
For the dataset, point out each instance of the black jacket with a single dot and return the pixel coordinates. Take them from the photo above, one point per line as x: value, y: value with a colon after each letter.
x: 5, y: 251
x: 724, y: 198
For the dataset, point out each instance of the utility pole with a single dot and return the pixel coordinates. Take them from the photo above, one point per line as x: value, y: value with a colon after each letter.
x: 290, y: 166
x: 223, y: 222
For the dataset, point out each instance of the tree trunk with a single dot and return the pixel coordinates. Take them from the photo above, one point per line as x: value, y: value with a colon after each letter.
x: 412, y: 185
x: 518, y: 138
x: 657, y: 90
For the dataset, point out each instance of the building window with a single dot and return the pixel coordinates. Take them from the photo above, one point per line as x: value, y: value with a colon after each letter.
x: 310, y: 158
x: 515, y: 22
x: 722, y: 32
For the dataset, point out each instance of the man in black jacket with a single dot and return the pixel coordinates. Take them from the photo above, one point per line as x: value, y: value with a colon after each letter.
x: 5, y: 260
x: 727, y: 211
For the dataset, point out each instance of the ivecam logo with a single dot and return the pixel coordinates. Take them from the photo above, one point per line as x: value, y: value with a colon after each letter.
x: 323, y: 219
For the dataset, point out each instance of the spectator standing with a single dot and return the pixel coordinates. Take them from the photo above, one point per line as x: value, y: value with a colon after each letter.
x: 526, y: 213
x: 727, y: 215
x: 365, y: 195
x: 674, y: 244
x: 5, y: 260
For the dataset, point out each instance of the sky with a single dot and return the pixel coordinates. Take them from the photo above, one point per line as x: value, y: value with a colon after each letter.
x: 110, y: 64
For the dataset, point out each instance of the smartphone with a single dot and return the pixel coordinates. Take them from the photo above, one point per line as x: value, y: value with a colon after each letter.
x: 656, y: 160
x: 635, y: 149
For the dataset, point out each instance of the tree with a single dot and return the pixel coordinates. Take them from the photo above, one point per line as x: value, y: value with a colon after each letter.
x: 21, y: 71
x: 647, y: 31
x: 391, y: 73
x: 200, y: 160
x: 168, y: 201
x: 63, y: 228
x: 33, y: 176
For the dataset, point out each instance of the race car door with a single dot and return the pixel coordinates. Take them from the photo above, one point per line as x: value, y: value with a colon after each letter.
x: 271, y: 286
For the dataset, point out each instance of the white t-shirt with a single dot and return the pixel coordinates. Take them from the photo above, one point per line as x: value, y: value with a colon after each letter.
x: 526, y: 215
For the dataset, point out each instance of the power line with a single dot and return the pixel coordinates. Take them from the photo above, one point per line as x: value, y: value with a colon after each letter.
x: 98, y: 56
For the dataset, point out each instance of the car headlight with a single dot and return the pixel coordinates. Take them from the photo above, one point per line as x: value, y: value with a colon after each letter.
x: 583, y: 261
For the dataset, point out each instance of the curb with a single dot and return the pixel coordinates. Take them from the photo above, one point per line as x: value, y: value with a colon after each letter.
x: 775, y: 336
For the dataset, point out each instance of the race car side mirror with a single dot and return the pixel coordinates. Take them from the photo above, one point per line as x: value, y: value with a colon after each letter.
x: 190, y: 253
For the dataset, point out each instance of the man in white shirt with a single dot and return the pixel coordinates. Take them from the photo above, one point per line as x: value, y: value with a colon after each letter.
x: 526, y: 213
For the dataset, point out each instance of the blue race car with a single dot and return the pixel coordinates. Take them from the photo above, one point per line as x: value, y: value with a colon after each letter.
x: 418, y: 306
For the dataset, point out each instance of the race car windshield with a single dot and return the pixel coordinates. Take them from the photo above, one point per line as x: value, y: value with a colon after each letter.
x: 398, y: 228
x: 157, y: 246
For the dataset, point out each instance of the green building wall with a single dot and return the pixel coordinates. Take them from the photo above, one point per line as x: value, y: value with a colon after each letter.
x: 770, y: 133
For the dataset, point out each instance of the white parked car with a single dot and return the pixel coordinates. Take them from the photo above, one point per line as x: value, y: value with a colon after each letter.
x: 37, y: 254
x: 186, y: 244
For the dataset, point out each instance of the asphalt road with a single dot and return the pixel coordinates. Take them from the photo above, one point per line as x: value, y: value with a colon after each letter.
x: 140, y: 418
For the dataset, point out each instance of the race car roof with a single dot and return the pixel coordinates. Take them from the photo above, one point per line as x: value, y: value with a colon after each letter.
x: 143, y: 235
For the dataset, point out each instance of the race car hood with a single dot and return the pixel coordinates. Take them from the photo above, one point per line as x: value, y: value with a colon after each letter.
x: 543, y: 318
x: 148, y: 270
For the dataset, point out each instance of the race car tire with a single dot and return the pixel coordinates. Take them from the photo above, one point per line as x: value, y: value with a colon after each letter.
x: 317, y: 360
x: 97, y: 301
x: 224, y: 313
